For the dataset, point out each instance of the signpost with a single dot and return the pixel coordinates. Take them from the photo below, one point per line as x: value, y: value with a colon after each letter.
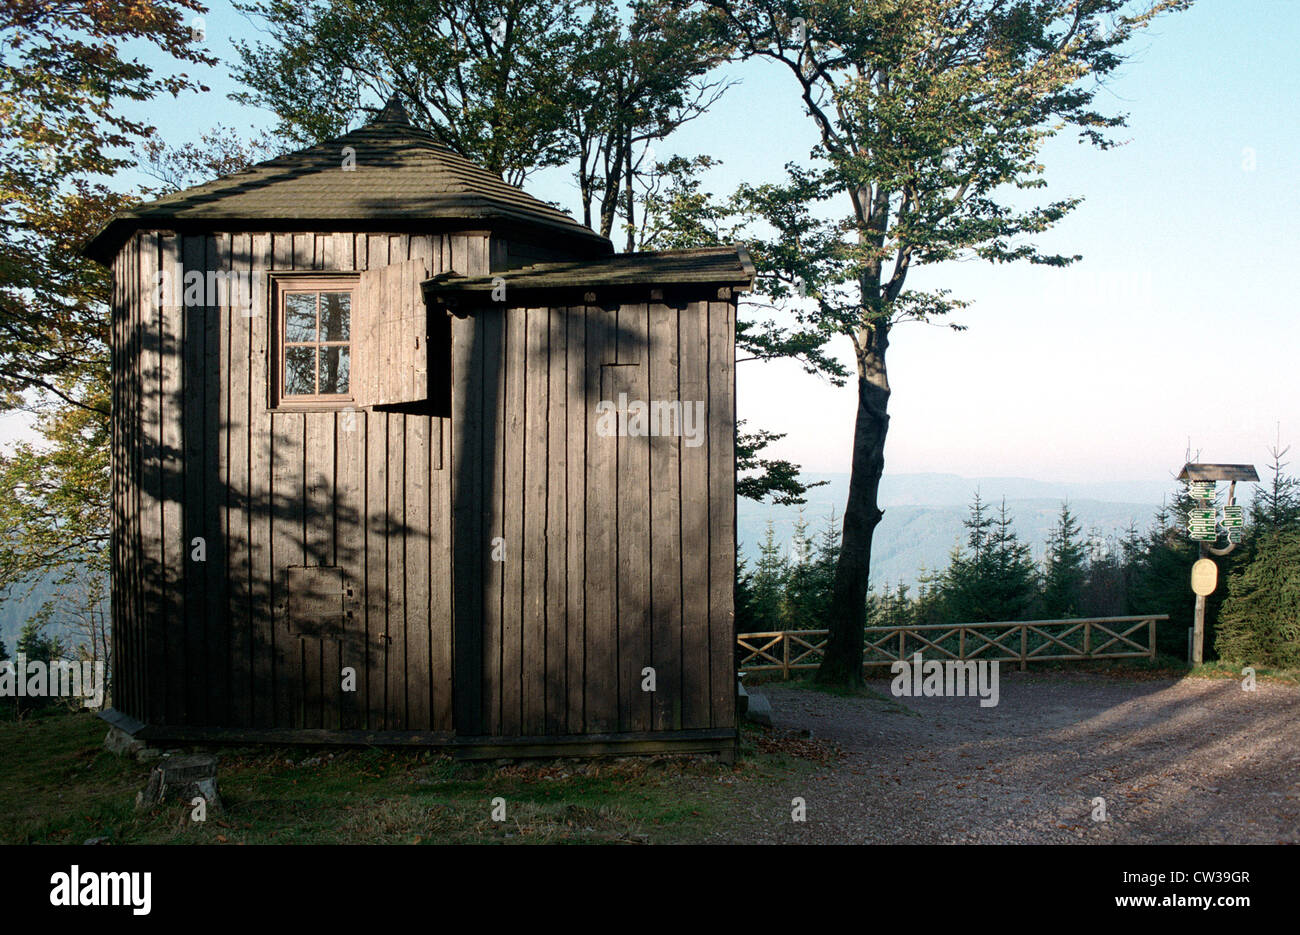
x: 1203, y: 525
x: 1205, y: 577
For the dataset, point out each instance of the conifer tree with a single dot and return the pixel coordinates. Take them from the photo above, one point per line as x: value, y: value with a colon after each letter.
x: 1260, y: 620
x: 1065, y: 568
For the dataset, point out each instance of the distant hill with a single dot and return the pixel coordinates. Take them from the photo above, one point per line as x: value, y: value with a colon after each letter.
x: 923, y: 520
x: 924, y: 513
x: 19, y: 607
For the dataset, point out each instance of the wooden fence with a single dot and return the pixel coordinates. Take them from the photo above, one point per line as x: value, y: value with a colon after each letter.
x: 1021, y: 641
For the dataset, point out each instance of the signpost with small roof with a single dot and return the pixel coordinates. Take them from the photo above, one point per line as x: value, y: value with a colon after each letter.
x: 1203, y: 524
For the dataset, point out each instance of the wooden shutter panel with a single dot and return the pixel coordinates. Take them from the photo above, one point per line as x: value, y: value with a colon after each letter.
x: 393, y: 337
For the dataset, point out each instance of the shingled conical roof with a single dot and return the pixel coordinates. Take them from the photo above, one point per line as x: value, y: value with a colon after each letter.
x: 386, y: 171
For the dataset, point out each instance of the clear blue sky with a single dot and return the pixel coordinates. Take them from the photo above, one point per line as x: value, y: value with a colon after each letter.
x: 1180, y: 322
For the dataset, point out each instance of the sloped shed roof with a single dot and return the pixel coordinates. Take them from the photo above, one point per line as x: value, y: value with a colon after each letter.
x: 702, y: 266
x: 401, y: 174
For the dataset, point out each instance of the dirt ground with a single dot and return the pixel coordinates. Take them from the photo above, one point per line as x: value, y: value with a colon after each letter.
x: 1190, y: 761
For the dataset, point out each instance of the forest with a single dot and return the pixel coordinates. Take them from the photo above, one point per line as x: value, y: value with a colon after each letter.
x: 992, y: 576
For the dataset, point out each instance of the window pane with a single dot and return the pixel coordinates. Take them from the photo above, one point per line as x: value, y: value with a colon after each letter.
x: 299, y: 371
x: 334, y: 370
x: 335, y: 315
x: 300, y: 316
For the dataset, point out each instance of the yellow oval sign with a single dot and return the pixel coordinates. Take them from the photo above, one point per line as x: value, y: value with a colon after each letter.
x: 1205, y: 576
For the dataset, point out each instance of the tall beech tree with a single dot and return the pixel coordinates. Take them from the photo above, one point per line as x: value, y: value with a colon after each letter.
x: 930, y: 116
x: 66, y: 71
x: 515, y: 85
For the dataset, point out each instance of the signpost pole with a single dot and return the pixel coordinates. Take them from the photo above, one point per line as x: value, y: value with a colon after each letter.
x: 1203, y: 526
x: 1198, y: 622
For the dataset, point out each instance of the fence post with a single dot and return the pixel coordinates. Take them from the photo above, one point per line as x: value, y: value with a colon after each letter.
x: 785, y: 655
x: 961, y: 643
x: 902, y: 643
x: 1087, y: 638
x: 1151, y: 629
x: 1024, y: 646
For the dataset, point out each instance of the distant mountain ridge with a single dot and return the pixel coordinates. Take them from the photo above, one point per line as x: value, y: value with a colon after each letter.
x: 924, y: 514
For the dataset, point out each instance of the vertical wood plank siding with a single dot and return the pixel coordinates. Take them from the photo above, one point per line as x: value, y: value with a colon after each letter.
x: 618, y: 551
x: 197, y: 453
x: 578, y: 560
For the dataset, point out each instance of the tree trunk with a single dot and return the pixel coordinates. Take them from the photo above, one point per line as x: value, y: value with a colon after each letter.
x: 842, y: 664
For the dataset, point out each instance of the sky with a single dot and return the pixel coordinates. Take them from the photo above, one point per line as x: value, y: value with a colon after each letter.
x: 1179, y: 326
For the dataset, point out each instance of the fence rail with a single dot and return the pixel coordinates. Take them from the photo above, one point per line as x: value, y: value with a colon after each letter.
x: 1021, y: 641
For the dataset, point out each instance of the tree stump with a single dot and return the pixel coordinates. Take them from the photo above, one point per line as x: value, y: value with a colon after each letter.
x: 180, y: 779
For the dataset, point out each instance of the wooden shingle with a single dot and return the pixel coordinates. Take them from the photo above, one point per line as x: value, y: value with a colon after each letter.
x: 387, y: 171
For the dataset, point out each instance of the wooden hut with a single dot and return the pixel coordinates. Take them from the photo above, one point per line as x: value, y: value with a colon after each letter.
x: 404, y: 455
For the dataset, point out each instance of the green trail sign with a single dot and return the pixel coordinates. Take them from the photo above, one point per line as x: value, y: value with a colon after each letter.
x: 1200, y: 479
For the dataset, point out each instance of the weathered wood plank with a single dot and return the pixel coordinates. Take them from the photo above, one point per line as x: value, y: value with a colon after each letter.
x: 440, y: 595
x: 216, y: 410
x: 304, y: 251
x: 665, y: 523
x: 722, y: 514
x: 576, y: 434
x: 398, y: 537
x: 193, y: 530
x: 514, y: 506
x: 533, y: 482
x: 322, y: 445
x: 601, y: 628
x: 271, y: 680
x: 479, y: 259
x: 417, y: 579
x: 238, y: 433
x: 556, y: 531
x: 172, y: 414
x: 260, y: 458
x: 468, y: 553
x: 289, y: 441
x: 497, y: 554
x: 345, y: 709
x: 693, y: 336
x: 377, y: 544
x: 459, y: 253
x: 633, y: 494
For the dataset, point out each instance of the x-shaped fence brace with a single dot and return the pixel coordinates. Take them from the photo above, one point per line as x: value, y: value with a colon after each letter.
x: 802, y: 649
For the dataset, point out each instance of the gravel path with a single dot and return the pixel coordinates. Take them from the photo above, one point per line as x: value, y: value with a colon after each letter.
x: 1192, y: 761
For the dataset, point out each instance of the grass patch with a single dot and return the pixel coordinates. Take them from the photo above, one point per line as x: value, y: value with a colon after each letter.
x: 59, y: 785
x: 1219, y: 669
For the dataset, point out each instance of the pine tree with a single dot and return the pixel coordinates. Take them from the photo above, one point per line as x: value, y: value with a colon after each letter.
x: 993, y: 578
x: 803, y: 604
x: 768, y: 583
x: 1014, y: 575
x: 1065, y: 568
x: 1277, y: 505
x: 744, y: 598
x: 1105, y: 592
x: 978, y: 526
x: 1260, y: 621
